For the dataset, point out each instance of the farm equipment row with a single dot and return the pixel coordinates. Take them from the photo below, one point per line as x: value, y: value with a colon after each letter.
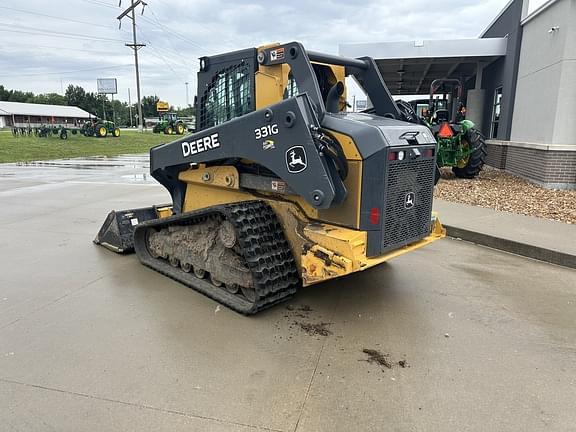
x: 43, y: 131
x: 91, y: 128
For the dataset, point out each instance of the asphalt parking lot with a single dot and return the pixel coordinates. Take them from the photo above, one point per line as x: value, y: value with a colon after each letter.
x: 476, y: 339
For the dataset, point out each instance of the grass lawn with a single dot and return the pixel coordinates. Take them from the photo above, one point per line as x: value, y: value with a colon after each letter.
x: 23, y: 149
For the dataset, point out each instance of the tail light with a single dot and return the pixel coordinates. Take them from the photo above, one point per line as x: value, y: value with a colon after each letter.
x: 428, y: 153
x: 375, y: 216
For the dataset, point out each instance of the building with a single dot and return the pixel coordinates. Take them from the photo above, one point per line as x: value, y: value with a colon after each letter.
x: 18, y: 114
x: 520, y: 80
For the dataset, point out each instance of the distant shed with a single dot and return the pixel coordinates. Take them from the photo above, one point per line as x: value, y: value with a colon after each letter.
x: 28, y: 114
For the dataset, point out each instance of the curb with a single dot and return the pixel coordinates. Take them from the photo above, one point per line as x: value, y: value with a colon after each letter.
x: 523, y: 249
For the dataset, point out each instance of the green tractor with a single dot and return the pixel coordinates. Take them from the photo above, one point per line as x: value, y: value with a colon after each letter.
x: 99, y: 128
x: 460, y: 145
x: 170, y: 124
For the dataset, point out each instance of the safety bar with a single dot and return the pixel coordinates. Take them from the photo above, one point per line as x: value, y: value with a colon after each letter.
x: 336, y: 60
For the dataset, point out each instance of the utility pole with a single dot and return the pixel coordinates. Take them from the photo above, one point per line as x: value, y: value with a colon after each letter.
x: 135, y: 46
x: 130, y: 107
x: 113, y: 111
x: 187, y: 100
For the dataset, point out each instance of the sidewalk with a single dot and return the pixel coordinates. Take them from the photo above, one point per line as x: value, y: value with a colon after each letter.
x: 537, y: 238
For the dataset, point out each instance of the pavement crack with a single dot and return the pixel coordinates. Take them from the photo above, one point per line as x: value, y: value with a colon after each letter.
x: 307, y: 395
x: 139, y: 405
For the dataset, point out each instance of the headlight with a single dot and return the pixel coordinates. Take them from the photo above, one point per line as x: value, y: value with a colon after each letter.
x: 401, y: 155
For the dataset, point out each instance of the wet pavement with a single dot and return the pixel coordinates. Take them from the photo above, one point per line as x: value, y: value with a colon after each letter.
x: 476, y: 340
x: 132, y: 169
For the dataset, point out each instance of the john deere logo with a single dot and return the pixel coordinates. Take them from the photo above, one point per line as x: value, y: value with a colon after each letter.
x: 409, y: 200
x: 296, y: 159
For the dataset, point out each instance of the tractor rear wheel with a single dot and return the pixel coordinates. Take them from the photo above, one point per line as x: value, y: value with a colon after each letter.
x: 102, y: 131
x: 180, y: 128
x: 471, y: 166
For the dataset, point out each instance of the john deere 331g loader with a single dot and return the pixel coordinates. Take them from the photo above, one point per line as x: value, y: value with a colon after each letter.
x: 280, y: 187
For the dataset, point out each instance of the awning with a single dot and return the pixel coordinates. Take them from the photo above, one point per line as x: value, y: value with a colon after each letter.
x: 410, y: 67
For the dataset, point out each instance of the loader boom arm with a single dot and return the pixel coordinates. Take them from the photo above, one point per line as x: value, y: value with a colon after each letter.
x: 280, y: 138
x: 363, y: 69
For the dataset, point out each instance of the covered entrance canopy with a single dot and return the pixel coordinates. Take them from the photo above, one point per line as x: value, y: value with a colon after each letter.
x: 410, y: 67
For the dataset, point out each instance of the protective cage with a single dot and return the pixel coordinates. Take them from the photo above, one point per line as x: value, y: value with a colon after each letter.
x: 228, y: 87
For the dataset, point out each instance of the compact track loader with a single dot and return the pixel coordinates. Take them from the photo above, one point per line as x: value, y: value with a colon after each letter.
x: 280, y: 187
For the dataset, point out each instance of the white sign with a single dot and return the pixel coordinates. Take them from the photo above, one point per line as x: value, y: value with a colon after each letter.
x: 361, y: 104
x: 107, y: 86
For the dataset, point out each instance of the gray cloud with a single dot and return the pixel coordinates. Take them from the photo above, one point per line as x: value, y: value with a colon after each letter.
x: 179, y: 31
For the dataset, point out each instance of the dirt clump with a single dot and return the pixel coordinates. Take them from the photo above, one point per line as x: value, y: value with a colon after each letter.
x: 375, y: 356
x: 317, y: 329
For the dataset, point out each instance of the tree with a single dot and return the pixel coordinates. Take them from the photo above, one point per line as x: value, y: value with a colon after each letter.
x: 19, y: 96
x: 75, y: 96
x: 4, y: 94
x: 186, y: 112
x: 50, y: 99
x: 149, y: 106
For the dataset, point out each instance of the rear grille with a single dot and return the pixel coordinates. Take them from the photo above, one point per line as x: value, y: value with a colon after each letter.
x: 404, y: 225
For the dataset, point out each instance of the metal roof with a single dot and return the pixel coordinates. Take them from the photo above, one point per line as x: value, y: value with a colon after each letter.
x: 41, y: 110
x: 410, y: 67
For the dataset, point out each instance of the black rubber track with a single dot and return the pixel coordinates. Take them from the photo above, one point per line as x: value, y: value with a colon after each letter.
x: 477, y: 156
x: 261, y: 242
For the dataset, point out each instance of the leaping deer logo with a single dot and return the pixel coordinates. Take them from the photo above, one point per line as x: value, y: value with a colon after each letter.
x: 296, y: 159
x: 409, y: 200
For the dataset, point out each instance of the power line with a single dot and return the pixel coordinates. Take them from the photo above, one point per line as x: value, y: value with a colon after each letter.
x: 67, y: 72
x: 173, y: 33
x: 57, y: 17
x: 56, y: 33
x: 57, y: 36
x: 98, y: 3
x: 230, y: 42
x: 166, y: 62
x: 181, y: 59
x: 16, y: 47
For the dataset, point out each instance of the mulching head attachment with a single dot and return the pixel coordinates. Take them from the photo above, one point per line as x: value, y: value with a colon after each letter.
x: 117, y: 232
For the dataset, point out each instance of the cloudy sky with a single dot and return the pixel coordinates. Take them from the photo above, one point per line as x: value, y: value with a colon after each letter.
x: 47, y: 45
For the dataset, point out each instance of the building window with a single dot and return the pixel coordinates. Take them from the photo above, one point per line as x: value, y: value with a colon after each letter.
x: 496, y: 107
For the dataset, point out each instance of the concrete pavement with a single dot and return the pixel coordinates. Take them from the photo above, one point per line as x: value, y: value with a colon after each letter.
x: 90, y: 340
x: 537, y: 238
